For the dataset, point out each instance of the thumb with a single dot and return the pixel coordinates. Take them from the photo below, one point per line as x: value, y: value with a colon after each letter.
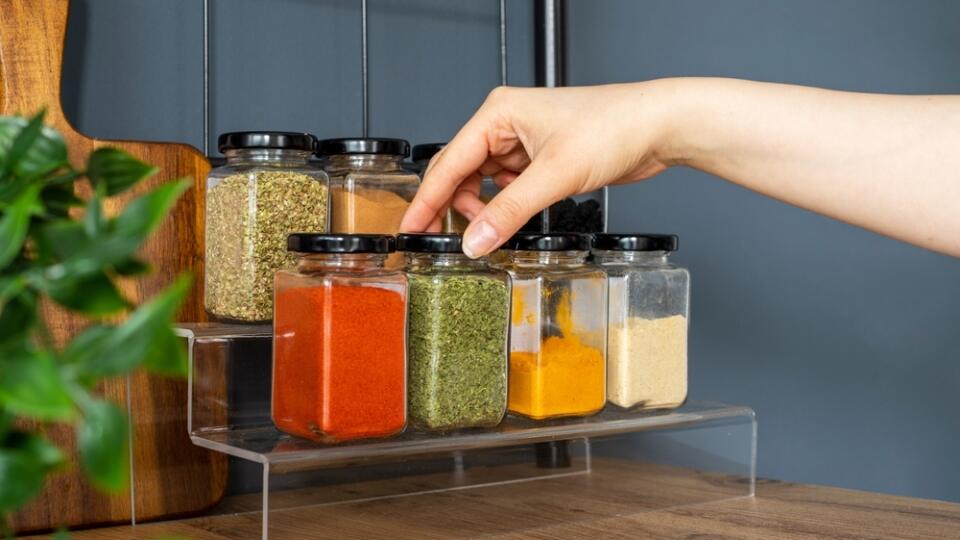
x: 539, y: 186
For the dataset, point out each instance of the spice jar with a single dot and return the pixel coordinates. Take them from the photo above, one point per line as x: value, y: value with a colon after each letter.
x: 339, y: 350
x: 370, y: 190
x: 422, y: 154
x: 558, y: 326
x: 459, y: 318
x: 584, y: 213
x: 266, y: 190
x: 453, y: 222
x: 649, y: 306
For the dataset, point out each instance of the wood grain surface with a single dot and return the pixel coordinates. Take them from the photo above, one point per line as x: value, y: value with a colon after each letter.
x: 618, y: 499
x: 171, y: 475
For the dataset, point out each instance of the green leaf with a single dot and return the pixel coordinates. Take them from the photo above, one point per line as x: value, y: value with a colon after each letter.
x: 145, y: 213
x: 43, y: 451
x: 6, y: 419
x: 61, y: 534
x: 16, y: 222
x: 121, y: 240
x: 93, y: 220
x: 59, y: 200
x: 87, y: 343
x: 131, y: 267
x: 46, y: 153
x: 10, y: 286
x: 18, y: 316
x: 62, y: 239
x: 21, y: 478
x: 92, y: 294
x: 134, y: 341
x: 30, y: 385
x: 168, y: 356
x: 116, y: 171
x: 103, y: 441
x: 22, y: 142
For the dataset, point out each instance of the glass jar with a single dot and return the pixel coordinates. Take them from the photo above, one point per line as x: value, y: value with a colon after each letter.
x: 339, y: 348
x: 558, y: 330
x: 422, y: 154
x: 459, y: 320
x: 649, y: 307
x: 266, y: 190
x: 453, y: 222
x: 370, y: 188
x: 584, y: 213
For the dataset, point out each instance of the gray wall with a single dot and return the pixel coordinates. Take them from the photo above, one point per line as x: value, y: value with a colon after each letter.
x: 845, y: 342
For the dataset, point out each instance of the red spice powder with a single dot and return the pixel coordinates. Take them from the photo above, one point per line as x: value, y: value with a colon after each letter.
x: 339, y: 365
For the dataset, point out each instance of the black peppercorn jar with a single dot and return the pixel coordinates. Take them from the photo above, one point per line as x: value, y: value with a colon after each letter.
x: 457, y: 335
x: 267, y: 189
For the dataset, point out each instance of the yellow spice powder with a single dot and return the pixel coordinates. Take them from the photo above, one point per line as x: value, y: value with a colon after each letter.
x: 565, y: 378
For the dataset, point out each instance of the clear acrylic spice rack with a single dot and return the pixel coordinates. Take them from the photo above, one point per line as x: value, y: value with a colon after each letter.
x: 709, y: 448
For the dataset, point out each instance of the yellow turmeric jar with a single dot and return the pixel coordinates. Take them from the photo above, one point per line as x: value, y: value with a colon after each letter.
x: 558, y: 327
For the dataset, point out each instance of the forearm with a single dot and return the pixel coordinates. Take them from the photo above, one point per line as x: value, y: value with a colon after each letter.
x: 886, y: 163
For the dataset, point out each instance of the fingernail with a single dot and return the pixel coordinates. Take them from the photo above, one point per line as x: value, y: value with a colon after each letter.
x: 480, y: 240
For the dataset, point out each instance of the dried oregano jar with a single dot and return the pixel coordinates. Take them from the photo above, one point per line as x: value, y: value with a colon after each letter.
x: 267, y: 190
x: 459, y: 319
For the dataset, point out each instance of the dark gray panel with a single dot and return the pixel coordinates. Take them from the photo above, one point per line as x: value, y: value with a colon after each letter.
x: 520, y: 61
x: 291, y: 65
x: 431, y: 65
x: 845, y: 342
x: 133, y: 69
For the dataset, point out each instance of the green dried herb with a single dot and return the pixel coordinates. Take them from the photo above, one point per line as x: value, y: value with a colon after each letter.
x: 457, y: 350
x: 249, y: 216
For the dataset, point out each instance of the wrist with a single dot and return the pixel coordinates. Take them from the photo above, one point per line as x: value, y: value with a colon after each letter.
x: 671, y: 105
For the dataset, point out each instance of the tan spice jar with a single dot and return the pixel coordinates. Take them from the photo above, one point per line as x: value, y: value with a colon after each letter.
x: 647, y: 323
x: 369, y: 189
x: 267, y: 190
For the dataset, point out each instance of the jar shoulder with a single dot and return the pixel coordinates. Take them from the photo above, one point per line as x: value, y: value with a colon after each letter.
x: 525, y: 272
x: 443, y: 273
x: 634, y: 269
x: 328, y: 278
x: 261, y: 171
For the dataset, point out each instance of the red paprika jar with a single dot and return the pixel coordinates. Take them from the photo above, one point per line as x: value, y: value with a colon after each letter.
x: 339, y: 343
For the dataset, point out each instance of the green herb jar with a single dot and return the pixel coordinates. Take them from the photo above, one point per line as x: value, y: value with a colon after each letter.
x: 457, y: 335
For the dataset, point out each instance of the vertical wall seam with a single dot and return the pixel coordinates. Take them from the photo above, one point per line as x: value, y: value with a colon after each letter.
x: 365, y: 82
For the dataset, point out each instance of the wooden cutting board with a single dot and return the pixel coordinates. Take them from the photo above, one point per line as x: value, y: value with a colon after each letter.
x: 171, y: 476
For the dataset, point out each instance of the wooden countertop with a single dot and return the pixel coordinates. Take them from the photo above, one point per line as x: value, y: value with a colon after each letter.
x: 616, y: 500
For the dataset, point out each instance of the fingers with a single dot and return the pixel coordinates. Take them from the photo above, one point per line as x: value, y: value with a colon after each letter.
x: 466, y: 200
x: 543, y: 183
x: 462, y: 157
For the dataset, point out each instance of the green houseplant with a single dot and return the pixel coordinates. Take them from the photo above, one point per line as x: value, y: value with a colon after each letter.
x: 59, y: 248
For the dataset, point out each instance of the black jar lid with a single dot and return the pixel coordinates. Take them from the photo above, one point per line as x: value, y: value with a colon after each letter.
x: 341, y: 243
x: 390, y: 147
x: 636, y: 242
x: 424, y: 152
x: 430, y: 243
x: 548, y: 242
x: 281, y: 140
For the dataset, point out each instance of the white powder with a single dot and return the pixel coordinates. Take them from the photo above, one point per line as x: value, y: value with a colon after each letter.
x: 647, y: 362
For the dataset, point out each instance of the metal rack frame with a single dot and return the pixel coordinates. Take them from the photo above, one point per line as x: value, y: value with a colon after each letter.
x: 550, y: 64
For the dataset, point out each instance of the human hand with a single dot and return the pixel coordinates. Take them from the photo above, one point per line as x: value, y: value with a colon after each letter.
x: 541, y: 145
